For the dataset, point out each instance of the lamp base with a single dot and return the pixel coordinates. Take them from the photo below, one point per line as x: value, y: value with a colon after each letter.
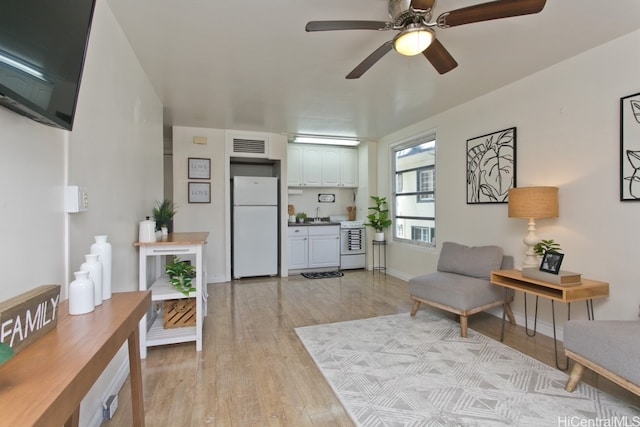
x: 531, y: 240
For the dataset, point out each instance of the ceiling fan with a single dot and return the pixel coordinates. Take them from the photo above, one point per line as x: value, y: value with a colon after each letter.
x: 413, y: 19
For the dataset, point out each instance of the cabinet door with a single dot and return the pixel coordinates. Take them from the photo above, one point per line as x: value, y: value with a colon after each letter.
x: 294, y: 165
x: 348, y: 167
x: 330, y: 166
x: 324, y: 251
x: 298, y: 253
x: 312, y: 166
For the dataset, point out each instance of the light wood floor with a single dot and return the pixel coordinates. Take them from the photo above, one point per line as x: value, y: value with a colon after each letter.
x: 253, y: 370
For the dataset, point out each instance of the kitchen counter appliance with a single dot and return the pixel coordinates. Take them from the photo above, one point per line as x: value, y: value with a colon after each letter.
x: 352, y: 245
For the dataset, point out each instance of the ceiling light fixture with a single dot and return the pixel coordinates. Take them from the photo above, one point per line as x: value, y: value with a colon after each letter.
x: 414, y: 39
x: 351, y: 142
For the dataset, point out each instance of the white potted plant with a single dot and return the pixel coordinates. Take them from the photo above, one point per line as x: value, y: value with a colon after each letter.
x: 379, y: 218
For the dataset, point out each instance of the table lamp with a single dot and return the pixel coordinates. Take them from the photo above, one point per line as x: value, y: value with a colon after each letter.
x: 533, y: 203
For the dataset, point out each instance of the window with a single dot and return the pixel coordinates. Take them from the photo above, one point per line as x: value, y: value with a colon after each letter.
x: 414, y: 192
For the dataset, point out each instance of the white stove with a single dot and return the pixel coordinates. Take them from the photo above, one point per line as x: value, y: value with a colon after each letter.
x: 352, y: 245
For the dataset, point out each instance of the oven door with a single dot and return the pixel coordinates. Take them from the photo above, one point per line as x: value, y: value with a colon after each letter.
x: 352, y: 241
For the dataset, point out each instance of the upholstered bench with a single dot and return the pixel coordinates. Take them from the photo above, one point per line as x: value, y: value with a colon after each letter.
x: 610, y: 348
x: 461, y: 283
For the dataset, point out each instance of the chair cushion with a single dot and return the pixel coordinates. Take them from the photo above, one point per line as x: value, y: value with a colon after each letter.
x: 611, y: 344
x: 477, y: 261
x: 455, y: 290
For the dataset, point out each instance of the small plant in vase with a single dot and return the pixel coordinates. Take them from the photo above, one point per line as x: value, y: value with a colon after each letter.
x: 180, y: 275
x: 379, y: 218
x: 163, y: 213
x: 301, y: 216
x: 546, y: 246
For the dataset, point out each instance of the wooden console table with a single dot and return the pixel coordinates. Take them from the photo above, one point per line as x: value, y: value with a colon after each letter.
x: 587, y: 290
x: 44, y: 384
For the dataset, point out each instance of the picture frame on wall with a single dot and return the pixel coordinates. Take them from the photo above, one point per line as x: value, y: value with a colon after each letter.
x: 199, y: 168
x: 199, y: 192
x: 491, y: 167
x: 630, y: 148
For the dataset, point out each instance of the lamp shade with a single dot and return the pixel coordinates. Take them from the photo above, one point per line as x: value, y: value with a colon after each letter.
x: 533, y: 202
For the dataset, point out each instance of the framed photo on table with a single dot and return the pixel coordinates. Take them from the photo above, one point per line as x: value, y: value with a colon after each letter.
x: 199, y: 192
x: 199, y: 168
x: 551, y: 262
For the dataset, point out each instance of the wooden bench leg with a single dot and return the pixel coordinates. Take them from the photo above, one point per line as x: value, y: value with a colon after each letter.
x: 574, y: 377
x: 512, y: 319
x: 414, y: 310
x: 464, y: 320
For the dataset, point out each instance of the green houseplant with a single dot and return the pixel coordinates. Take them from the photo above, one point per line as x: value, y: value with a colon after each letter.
x: 163, y: 213
x: 180, y: 275
x: 301, y: 216
x: 379, y: 218
x: 546, y: 246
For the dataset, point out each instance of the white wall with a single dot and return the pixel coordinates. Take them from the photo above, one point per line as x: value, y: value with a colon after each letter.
x: 115, y: 150
x: 567, y: 120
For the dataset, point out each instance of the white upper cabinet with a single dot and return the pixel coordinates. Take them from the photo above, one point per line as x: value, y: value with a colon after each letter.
x: 321, y: 166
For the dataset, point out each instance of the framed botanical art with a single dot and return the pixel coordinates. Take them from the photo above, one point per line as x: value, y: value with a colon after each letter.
x: 199, y: 192
x: 491, y: 167
x: 199, y: 168
x: 630, y: 148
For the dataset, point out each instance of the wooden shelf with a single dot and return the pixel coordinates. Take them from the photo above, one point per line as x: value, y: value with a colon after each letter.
x: 586, y: 290
x: 162, y: 290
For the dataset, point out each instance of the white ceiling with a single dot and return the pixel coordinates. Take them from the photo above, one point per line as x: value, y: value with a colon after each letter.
x: 250, y: 65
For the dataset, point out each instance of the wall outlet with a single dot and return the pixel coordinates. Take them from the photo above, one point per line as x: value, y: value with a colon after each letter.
x: 109, y: 407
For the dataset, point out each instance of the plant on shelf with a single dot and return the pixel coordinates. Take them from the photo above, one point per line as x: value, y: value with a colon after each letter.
x: 379, y: 218
x: 546, y: 246
x: 163, y: 213
x: 180, y: 275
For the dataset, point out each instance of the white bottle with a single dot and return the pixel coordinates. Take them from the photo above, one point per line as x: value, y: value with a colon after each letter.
x: 93, y: 266
x: 81, y: 294
x: 103, y: 249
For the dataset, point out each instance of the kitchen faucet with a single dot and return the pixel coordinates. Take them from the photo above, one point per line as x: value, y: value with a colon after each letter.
x: 318, y: 213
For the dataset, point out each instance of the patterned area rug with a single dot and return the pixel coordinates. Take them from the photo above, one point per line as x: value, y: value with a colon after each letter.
x: 323, y: 275
x: 402, y: 371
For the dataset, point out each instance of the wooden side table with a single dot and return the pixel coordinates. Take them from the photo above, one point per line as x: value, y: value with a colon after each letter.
x: 44, y: 384
x: 587, y: 290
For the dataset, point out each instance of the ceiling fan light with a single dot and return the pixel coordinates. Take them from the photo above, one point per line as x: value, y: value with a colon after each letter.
x: 413, y: 40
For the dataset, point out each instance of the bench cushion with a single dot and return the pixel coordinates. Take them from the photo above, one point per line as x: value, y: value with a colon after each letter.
x: 477, y: 261
x: 455, y: 290
x: 611, y: 344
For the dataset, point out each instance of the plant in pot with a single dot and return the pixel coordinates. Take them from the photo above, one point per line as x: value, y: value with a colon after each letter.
x: 379, y: 218
x: 546, y: 246
x: 163, y: 213
x: 180, y: 275
x: 301, y: 216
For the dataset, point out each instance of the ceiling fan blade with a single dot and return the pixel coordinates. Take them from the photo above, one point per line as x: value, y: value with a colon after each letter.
x: 487, y: 11
x: 347, y: 25
x: 440, y: 57
x: 370, y: 60
x: 423, y: 4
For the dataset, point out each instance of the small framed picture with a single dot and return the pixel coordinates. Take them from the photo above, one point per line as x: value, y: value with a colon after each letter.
x: 199, y: 168
x: 551, y: 262
x: 199, y: 192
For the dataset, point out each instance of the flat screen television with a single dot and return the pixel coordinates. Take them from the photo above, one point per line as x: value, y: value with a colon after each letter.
x: 42, y: 51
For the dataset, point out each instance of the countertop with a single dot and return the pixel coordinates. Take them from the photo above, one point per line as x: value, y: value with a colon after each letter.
x: 311, y: 223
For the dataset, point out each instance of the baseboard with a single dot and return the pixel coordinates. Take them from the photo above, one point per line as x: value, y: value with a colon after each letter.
x: 114, y: 387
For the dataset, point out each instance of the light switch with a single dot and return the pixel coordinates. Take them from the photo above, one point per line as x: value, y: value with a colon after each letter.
x: 76, y: 199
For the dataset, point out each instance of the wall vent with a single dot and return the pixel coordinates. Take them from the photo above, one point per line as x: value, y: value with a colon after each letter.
x: 252, y: 145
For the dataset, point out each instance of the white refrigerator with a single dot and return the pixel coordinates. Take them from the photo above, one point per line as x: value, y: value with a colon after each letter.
x: 255, y: 226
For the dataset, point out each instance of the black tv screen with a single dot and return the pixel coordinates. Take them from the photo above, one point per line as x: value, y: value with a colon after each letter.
x: 42, y: 51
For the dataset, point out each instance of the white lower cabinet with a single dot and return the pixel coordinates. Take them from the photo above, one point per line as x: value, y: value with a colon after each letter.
x: 315, y: 246
x: 298, y: 248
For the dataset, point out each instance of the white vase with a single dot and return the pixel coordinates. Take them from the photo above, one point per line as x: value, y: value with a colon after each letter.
x: 94, y: 267
x: 103, y: 249
x: 379, y: 237
x: 81, y: 294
